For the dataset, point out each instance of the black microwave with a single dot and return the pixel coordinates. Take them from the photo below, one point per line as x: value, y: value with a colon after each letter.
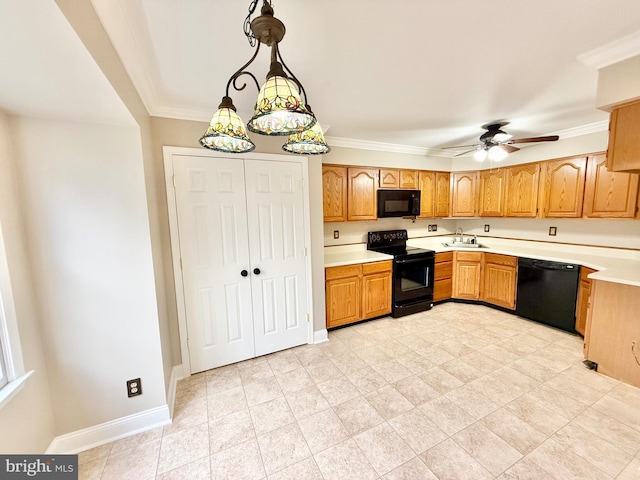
x: 398, y: 203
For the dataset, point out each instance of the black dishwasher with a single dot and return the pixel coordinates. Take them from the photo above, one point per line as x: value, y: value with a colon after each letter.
x: 547, y: 292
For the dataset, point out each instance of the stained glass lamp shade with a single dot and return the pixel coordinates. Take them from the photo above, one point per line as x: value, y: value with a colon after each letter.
x: 226, y: 132
x: 280, y: 110
x: 308, y: 142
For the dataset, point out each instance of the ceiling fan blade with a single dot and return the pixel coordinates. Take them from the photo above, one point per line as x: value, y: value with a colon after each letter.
x: 457, y: 146
x: 550, y: 138
x: 508, y: 148
x: 464, y: 153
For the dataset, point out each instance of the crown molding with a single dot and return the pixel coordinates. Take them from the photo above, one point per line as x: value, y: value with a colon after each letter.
x: 583, y: 130
x: 613, y: 52
x: 383, y: 147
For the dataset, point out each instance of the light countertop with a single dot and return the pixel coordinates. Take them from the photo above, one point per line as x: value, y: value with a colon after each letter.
x: 613, y: 265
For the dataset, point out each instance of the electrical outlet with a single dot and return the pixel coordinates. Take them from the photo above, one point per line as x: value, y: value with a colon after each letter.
x: 434, y: 228
x: 336, y: 234
x: 486, y: 228
x: 134, y: 387
x: 430, y: 228
x: 553, y: 231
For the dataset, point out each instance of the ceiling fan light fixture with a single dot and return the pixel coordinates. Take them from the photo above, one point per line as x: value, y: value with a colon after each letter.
x: 226, y: 132
x: 480, y: 155
x: 497, y: 154
x: 501, y: 137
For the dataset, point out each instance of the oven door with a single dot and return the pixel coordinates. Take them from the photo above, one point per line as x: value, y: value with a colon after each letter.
x: 413, y: 279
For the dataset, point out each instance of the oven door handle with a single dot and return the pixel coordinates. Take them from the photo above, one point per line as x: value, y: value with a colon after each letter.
x: 414, y: 260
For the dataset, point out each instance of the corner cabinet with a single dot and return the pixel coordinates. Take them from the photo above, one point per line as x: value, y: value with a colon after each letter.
x: 362, y: 187
x: 499, y: 277
x: 334, y: 193
x: 467, y: 268
x: 464, y: 194
x: 623, y: 154
x: 609, y: 194
x: 357, y: 292
x: 562, y: 187
x: 521, y: 196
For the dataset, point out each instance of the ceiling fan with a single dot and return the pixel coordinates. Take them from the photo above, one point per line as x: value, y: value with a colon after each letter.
x: 497, y: 144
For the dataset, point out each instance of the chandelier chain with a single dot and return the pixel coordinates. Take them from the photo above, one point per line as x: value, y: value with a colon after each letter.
x: 247, y: 22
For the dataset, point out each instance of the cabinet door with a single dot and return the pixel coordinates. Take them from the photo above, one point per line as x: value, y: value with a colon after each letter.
x: 623, y: 154
x: 334, y: 193
x: 361, y: 193
x: 521, y: 197
x: 389, y: 178
x: 609, y: 194
x: 464, y: 194
x: 427, y: 194
x: 491, y: 202
x: 376, y: 294
x: 466, y: 275
x: 343, y: 294
x: 499, y: 280
x: 442, y: 275
x: 409, y: 179
x: 443, y: 189
x: 582, y: 305
x: 563, y: 184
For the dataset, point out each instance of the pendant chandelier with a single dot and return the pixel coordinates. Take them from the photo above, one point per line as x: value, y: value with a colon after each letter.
x: 280, y: 108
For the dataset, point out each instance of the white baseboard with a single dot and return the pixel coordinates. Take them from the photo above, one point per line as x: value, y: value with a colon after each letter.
x: 97, y: 435
x: 320, y: 336
x: 177, y: 373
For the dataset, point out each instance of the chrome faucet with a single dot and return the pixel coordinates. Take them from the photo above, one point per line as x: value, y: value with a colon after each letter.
x: 459, y: 230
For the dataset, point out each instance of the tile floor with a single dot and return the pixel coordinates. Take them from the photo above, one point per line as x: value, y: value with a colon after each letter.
x: 459, y: 392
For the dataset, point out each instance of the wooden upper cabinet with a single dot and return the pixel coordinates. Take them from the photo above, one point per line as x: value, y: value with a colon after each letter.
x: 464, y: 194
x: 427, y: 183
x: 609, y: 194
x: 562, y: 187
x: 521, y: 195
x: 409, y: 179
x: 389, y: 178
x: 491, y: 201
x: 623, y: 154
x: 362, y: 193
x: 334, y: 193
x: 443, y: 189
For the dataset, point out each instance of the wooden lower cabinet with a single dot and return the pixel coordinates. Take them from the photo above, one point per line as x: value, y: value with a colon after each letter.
x: 376, y: 289
x: 467, y: 267
x: 499, y: 277
x: 582, y: 305
x: 443, y: 274
x: 612, y: 336
x: 357, y: 292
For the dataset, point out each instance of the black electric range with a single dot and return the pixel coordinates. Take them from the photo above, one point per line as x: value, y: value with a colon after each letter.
x: 412, y: 290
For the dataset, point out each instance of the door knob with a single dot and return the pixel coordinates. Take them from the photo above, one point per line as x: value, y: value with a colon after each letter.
x: 256, y: 271
x: 244, y: 273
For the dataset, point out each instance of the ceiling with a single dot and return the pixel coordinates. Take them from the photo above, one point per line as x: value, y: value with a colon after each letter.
x: 422, y: 74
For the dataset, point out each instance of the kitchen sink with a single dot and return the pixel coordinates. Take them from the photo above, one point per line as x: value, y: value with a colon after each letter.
x: 464, y: 245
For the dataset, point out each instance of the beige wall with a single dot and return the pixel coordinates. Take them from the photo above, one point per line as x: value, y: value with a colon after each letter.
x: 618, y: 83
x: 27, y: 420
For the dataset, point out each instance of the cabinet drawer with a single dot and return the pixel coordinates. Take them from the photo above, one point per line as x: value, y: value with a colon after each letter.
x: 442, y: 289
x: 501, y: 259
x: 444, y: 257
x: 443, y: 270
x: 342, y: 272
x: 469, y: 256
x: 375, y: 267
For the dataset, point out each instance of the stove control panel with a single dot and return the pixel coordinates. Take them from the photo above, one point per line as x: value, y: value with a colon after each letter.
x: 387, y: 237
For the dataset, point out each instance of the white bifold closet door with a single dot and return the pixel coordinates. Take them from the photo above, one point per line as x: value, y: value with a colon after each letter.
x: 242, y: 245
